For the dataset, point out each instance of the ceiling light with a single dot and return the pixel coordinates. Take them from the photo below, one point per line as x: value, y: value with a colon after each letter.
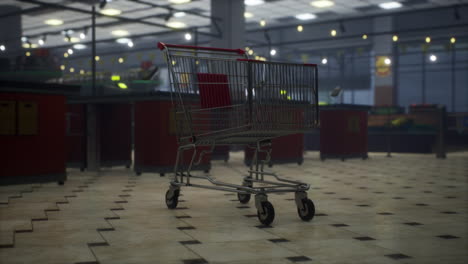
x: 97, y: 58
x: 433, y: 58
x: 79, y: 46
x: 28, y: 53
x: 306, y: 16
x: 395, y: 38
x: 324, y: 61
x: 53, y: 22
x: 121, y: 60
x: 333, y: 32
x: 428, y: 39
x: 24, y: 39
x: 29, y: 45
x: 72, y: 69
x: 82, y: 72
x: 179, y: 14
x: 110, y: 12
x: 248, y: 15
x: 188, y: 36
x: 176, y: 24
x: 387, y: 61
x: 453, y: 40
x: 72, y: 39
x: 178, y: 2
x: 70, y: 51
x: 62, y: 67
x: 130, y: 44
x: 273, y: 52
x: 262, y: 23
x: 253, y: 2
x: 251, y: 51
x: 40, y: 42
x: 65, y: 55
x: 2, y: 47
x: 123, y: 40
x: 322, y: 3
x: 82, y: 35
x: 120, y: 33
x: 390, y: 5
x: 300, y: 28
x: 364, y: 36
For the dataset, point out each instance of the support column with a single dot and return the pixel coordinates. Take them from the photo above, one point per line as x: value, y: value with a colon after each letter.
x: 384, y: 84
x: 232, y: 25
x: 10, y: 34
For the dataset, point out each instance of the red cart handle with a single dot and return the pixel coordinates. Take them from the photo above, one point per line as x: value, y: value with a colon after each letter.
x: 162, y: 45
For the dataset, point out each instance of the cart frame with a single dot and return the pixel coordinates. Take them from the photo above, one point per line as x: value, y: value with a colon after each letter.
x: 247, y: 118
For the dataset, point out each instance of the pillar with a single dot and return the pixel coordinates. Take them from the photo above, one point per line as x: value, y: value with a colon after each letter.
x: 384, y: 86
x: 232, y: 25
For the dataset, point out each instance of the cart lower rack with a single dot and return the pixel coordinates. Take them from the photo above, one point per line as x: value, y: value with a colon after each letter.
x: 220, y: 97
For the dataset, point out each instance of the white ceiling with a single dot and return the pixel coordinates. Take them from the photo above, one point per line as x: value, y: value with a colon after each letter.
x: 275, y: 12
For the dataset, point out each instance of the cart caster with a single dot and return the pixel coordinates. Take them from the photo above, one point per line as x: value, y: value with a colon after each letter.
x: 172, y: 198
x: 161, y: 174
x: 308, y: 211
x: 60, y: 182
x: 127, y: 166
x: 268, y: 215
x: 270, y: 164
x: 365, y: 157
x: 81, y: 169
x: 342, y: 159
x: 243, y: 197
x: 226, y: 160
x: 138, y: 173
x: 206, y: 171
x: 300, y: 162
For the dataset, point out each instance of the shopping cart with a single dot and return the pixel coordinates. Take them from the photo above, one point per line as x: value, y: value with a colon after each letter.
x: 221, y: 97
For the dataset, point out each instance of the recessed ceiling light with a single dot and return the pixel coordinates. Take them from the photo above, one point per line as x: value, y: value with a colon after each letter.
x: 178, y: 2
x: 111, y: 12
x: 364, y: 36
x: 322, y: 3
x: 433, y: 58
x: 30, y: 45
x: 130, y: 44
x: 72, y: 40
x: 262, y: 22
x: 120, y: 33
x: 123, y: 40
x: 179, y: 14
x: 387, y: 61
x: 253, y: 2
x: 2, y: 47
x: 248, y: 15
x: 53, y: 22
x: 306, y: 16
x: 28, y: 53
x: 333, y: 32
x: 176, y: 24
x: 79, y: 46
x: 300, y: 28
x: 188, y: 36
x: 453, y: 40
x: 390, y: 5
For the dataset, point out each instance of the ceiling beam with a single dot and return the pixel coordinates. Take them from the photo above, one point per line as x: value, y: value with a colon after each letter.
x: 88, y: 12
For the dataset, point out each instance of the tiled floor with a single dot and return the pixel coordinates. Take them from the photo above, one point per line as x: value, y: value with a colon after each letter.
x: 404, y: 209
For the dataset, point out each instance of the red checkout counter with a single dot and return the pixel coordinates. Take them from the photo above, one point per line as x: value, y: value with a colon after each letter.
x: 32, y: 132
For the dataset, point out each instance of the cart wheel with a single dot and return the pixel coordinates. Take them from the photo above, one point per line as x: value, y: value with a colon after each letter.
x: 243, y: 197
x: 308, y: 212
x: 300, y: 162
x: 161, y: 174
x: 82, y: 169
x: 270, y: 164
x: 172, y: 202
x: 138, y: 173
x: 127, y: 166
x: 342, y: 159
x: 60, y: 182
x: 269, y: 213
x: 206, y: 171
